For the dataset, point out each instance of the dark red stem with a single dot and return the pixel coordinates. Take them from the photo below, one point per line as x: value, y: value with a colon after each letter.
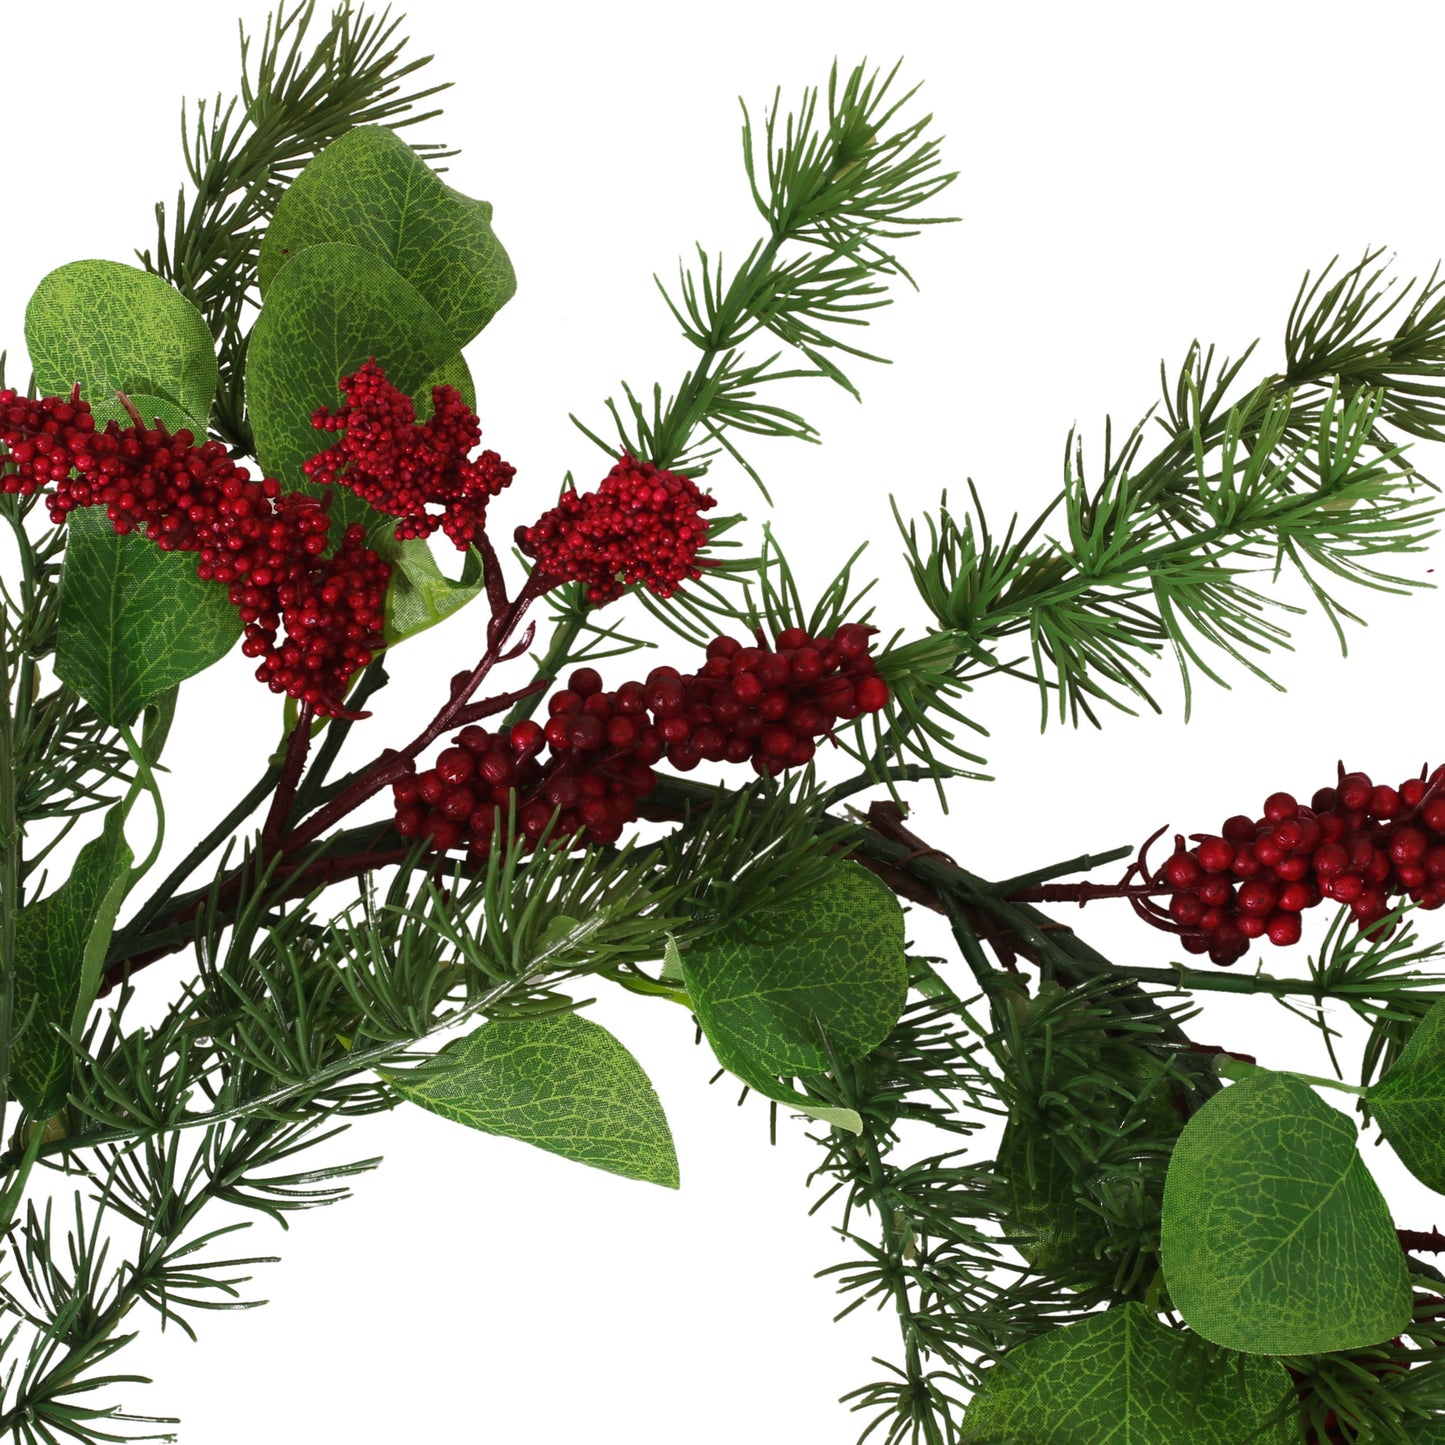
x: 297, y: 746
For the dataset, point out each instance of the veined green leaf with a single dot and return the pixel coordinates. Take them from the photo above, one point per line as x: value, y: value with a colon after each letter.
x: 60, y: 945
x: 1408, y: 1101
x: 370, y: 189
x: 419, y: 594
x: 1274, y: 1237
x: 558, y: 1081
x: 831, y: 958
x: 326, y: 313
x: 1120, y: 1376
x: 113, y: 328
x: 134, y: 621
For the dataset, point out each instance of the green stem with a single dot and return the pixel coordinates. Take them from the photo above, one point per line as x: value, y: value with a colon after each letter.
x: 1233, y: 1068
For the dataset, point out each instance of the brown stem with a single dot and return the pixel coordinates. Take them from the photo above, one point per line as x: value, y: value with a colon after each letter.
x: 1082, y: 893
x: 1418, y: 1239
x: 297, y: 747
x: 392, y: 765
x: 296, y: 880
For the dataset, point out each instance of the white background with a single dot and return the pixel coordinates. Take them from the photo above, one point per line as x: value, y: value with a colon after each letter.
x: 1130, y: 178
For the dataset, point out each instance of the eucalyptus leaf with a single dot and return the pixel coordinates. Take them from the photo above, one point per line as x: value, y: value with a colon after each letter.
x: 134, y: 621
x: 150, y: 409
x: 110, y: 328
x: 60, y: 946
x: 558, y: 1081
x: 1274, y: 1237
x: 419, y: 594
x: 1408, y: 1101
x: 1120, y: 1377
x: 831, y: 958
x: 328, y: 311
x: 370, y: 189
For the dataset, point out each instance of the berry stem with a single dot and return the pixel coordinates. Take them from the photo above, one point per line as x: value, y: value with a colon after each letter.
x: 298, y: 745
x: 393, y: 765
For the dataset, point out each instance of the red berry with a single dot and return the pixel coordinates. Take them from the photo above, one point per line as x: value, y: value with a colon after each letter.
x: 1215, y: 855
x: 1284, y: 929
x: 1354, y: 791
x: 1182, y: 870
x: 1384, y: 802
x: 1279, y: 806
x: 526, y: 738
x: 1238, y: 829
x: 872, y: 694
x: 1257, y: 897
x: 455, y: 765
x: 1408, y: 845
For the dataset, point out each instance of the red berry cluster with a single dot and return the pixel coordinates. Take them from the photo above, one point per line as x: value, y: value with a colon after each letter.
x: 641, y: 525
x: 1357, y: 843
x: 747, y: 704
x: 192, y: 498
x: 766, y: 707
x: 401, y: 466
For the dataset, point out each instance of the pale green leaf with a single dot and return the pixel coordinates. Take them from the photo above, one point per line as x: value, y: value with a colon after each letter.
x: 1408, y: 1101
x: 134, y: 621
x: 111, y: 327
x: 1275, y: 1239
x: 328, y: 311
x: 1121, y: 1377
x: 831, y: 958
x: 419, y: 594
x: 370, y: 189
x: 60, y: 945
x: 558, y: 1081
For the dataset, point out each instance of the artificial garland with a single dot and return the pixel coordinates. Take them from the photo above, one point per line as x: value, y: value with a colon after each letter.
x: 1199, y: 1262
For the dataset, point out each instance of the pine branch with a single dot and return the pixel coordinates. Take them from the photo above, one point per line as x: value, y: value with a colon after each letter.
x: 293, y: 106
x: 1156, y: 554
x: 840, y: 187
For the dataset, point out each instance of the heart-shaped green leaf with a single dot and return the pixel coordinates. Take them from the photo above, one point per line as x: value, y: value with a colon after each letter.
x: 1408, y: 1100
x: 134, y: 621
x: 560, y: 1082
x: 370, y: 189
x: 60, y: 944
x: 830, y: 958
x: 1121, y: 1377
x: 1275, y: 1239
x: 113, y: 328
x: 329, y: 310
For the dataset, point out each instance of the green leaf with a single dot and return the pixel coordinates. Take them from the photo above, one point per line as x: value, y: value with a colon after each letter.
x: 60, y: 946
x: 113, y: 328
x: 156, y: 724
x: 781, y: 1092
x: 1120, y: 1377
x: 1045, y: 1220
x: 1274, y: 1237
x: 134, y: 621
x: 327, y: 312
x: 151, y: 409
x: 558, y: 1081
x: 830, y: 958
x: 419, y: 595
x: 1408, y: 1101
x: 370, y: 189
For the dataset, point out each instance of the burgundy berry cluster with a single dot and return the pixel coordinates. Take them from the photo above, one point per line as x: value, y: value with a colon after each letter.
x: 401, y: 466
x: 266, y: 547
x: 1357, y: 843
x: 765, y: 706
x: 748, y: 704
